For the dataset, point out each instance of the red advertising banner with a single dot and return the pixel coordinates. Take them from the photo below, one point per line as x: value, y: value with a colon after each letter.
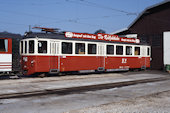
x: 101, y: 36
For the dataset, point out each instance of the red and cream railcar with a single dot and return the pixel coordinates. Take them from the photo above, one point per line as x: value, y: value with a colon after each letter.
x: 53, y: 53
x: 5, y: 55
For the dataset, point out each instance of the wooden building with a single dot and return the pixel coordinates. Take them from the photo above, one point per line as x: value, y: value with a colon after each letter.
x: 150, y: 26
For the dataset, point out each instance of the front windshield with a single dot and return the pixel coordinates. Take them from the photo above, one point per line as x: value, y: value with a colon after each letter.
x: 31, y: 46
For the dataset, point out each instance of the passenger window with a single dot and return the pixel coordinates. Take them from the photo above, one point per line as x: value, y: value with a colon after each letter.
x: 80, y: 48
x: 91, y: 48
x: 148, y: 51
x: 119, y: 50
x: 21, y: 46
x: 3, y: 45
x: 42, y: 46
x: 66, y: 48
x: 128, y: 50
x: 137, y: 50
x: 110, y: 49
x: 25, y: 46
x: 31, y: 46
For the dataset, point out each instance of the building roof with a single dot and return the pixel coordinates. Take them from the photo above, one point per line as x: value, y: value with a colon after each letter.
x: 118, y: 31
x: 146, y: 11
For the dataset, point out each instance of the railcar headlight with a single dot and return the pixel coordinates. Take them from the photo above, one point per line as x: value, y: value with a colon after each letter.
x: 25, y: 59
x: 32, y: 63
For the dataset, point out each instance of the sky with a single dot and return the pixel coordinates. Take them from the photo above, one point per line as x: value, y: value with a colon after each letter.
x: 70, y: 15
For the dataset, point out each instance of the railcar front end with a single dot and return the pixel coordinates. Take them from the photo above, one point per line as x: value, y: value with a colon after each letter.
x: 5, y: 55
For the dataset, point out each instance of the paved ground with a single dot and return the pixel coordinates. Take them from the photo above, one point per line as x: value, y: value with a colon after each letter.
x: 124, y: 99
x: 48, y: 83
x: 75, y: 102
x: 155, y: 103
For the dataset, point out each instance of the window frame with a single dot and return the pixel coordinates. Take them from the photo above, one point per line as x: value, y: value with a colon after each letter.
x: 22, y: 47
x: 135, y: 50
x: 148, y: 51
x: 29, y: 47
x: 131, y: 50
x: 42, y: 45
x: 80, y: 52
x: 96, y: 53
x: 5, y: 47
x: 122, y: 50
x: 25, y: 47
x: 107, y: 49
x: 71, y: 47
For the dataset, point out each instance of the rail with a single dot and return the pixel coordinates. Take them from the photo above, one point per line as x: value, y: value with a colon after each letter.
x: 74, y: 90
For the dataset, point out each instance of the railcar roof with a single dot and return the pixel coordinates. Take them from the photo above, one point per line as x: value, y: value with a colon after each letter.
x: 61, y: 36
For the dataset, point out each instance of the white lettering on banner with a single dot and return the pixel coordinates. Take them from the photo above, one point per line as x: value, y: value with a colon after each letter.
x: 69, y: 34
x: 111, y: 38
x: 130, y: 40
x: 79, y: 35
x: 101, y: 36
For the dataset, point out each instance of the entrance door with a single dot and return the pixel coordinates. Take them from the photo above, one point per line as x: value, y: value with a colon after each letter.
x: 102, y: 53
x: 54, y: 58
x: 143, y: 60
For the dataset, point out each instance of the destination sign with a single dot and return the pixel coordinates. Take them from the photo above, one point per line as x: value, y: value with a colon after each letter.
x: 101, y: 36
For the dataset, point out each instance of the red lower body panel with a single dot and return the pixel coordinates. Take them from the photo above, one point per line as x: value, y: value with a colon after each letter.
x: 36, y: 64
x: 126, y: 62
x: 72, y: 63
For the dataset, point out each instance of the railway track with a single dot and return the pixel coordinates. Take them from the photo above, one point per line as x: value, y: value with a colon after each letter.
x: 80, y: 89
